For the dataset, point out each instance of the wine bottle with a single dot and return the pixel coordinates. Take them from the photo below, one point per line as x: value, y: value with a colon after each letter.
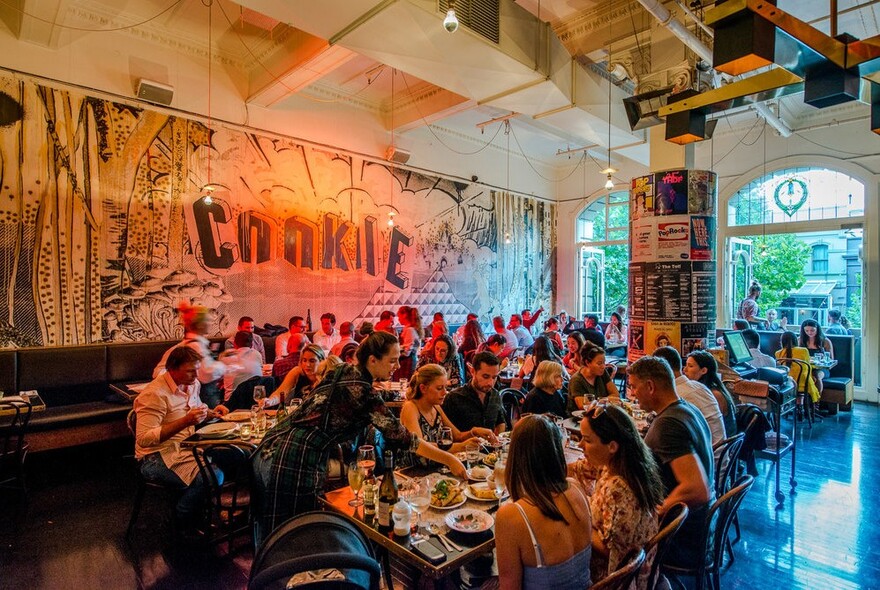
x: 387, y: 492
x: 282, y: 409
x: 309, y: 321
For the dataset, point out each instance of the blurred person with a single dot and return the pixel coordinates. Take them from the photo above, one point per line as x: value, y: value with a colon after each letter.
x: 543, y: 536
x: 410, y: 340
x: 834, y: 324
x: 327, y: 366
x: 346, y: 337
x: 702, y: 367
x: 472, y: 338
x: 438, y: 328
x: 246, y: 323
x: 444, y: 354
x: 386, y: 323
x: 546, y: 396
x: 364, y: 330
x: 681, y: 443
x: 295, y: 345
x: 328, y: 335
x: 623, y: 481
x: 459, y: 335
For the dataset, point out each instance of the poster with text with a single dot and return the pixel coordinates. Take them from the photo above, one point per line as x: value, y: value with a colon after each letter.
x: 671, y: 192
x: 636, y: 309
x: 659, y: 334
x: 702, y: 289
x: 673, y: 238
x: 643, y: 242
x: 667, y: 291
x: 694, y: 337
x: 701, y: 192
x: 702, y: 238
x: 642, y: 197
x: 636, y: 347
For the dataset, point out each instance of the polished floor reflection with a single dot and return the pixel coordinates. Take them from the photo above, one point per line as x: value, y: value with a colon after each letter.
x: 70, y: 533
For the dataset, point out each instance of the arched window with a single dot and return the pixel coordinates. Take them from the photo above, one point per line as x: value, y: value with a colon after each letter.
x: 820, y: 258
x: 602, y: 231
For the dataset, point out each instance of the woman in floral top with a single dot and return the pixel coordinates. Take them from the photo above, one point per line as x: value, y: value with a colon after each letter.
x: 291, y: 462
x: 622, y: 478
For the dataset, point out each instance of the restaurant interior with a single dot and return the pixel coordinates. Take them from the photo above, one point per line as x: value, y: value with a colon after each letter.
x: 274, y: 160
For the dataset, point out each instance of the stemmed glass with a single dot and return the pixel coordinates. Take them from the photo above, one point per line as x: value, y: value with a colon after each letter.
x: 259, y: 394
x: 420, y: 501
x: 444, y: 443
x: 366, y: 459
x: 356, y: 481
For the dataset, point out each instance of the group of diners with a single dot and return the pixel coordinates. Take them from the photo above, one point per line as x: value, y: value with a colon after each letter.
x: 602, y: 505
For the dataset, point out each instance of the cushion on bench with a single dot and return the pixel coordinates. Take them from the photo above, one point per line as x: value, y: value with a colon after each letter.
x: 64, y: 375
x: 134, y: 361
x: 76, y: 415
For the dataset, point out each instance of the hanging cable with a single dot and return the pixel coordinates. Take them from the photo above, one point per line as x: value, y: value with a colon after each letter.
x: 85, y: 29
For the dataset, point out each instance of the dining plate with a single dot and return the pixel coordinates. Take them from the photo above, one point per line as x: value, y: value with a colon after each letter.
x: 218, y: 429
x: 452, y: 484
x: 472, y: 490
x: 238, y: 416
x: 479, y: 473
x: 451, y: 506
x: 578, y: 414
x: 468, y: 520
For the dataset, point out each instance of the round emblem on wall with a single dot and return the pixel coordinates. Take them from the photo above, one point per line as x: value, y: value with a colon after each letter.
x: 790, y: 195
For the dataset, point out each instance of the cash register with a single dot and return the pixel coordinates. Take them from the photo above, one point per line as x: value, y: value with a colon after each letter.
x: 739, y: 355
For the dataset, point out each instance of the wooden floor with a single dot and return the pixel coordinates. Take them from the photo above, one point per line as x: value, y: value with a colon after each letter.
x: 70, y: 534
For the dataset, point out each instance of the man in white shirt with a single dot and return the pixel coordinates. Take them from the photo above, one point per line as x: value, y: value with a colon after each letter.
x: 523, y: 338
x: 167, y: 411
x: 510, y: 339
x: 327, y: 336
x: 296, y: 329
x: 694, y: 393
x: 247, y: 324
x: 753, y: 341
x: 242, y: 363
x: 346, y: 337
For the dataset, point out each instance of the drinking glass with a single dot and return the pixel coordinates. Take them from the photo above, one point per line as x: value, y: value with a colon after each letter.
x: 500, y: 484
x: 294, y: 404
x: 259, y: 394
x: 258, y: 420
x: 827, y: 357
x: 356, y: 481
x: 246, y: 431
x: 473, y: 453
x: 367, y: 459
x: 420, y: 501
x: 444, y: 443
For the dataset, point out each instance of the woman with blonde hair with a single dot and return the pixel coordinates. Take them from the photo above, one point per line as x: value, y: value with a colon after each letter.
x: 546, y: 395
x: 543, y: 537
x: 423, y: 415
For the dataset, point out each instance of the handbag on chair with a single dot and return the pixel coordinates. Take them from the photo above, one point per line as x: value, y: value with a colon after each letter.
x: 751, y: 388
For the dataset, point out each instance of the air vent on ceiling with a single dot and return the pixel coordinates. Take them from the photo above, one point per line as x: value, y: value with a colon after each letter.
x: 480, y: 16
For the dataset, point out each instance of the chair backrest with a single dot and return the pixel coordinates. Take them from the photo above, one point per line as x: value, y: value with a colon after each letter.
x: 131, y: 422
x: 725, y: 507
x: 512, y: 401
x: 800, y: 371
x: 726, y: 456
x: 237, y: 471
x: 15, y: 414
x: 844, y: 354
x: 669, y: 525
x: 315, y: 540
x: 623, y: 576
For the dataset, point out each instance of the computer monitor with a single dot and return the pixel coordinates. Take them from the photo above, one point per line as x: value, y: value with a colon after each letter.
x: 736, y: 347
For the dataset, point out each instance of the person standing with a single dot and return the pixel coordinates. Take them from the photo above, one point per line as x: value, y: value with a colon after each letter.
x: 529, y: 318
x: 680, y: 440
x: 748, y: 307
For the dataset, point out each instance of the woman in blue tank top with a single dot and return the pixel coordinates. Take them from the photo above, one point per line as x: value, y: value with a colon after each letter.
x: 543, y: 536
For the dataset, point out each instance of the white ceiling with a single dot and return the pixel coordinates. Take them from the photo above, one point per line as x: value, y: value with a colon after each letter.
x: 453, y: 82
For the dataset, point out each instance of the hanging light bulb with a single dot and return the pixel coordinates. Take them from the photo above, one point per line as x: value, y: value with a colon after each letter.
x: 391, y: 219
x: 450, y: 23
x: 609, y: 184
x: 506, y: 238
x: 207, y: 199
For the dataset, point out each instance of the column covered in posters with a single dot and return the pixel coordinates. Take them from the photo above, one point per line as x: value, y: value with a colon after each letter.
x: 672, y: 261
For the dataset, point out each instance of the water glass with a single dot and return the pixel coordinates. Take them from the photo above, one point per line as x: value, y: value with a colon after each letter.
x: 473, y: 453
x: 246, y: 431
x: 258, y: 419
x: 259, y: 394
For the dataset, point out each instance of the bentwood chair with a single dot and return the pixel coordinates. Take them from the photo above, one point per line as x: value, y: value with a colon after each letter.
x: 15, y: 414
x: 229, y: 504
x: 669, y: 525
x: 721, y: 515
x: 726, y: 463
x: 623, y: 576
x: 802, y: 374
x: 512, y: 401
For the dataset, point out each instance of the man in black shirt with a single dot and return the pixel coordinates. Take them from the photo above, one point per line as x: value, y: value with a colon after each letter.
x: 681, y: 442
x: 591, y: 330
x: 477, y: 403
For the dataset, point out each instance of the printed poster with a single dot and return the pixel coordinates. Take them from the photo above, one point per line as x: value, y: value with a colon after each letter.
x: 636, y: 344
x: 702, y: 238
x: 642, y: 197
x: 643, y: 242
x: 659, y: 334
x: 701, y: 192
x: 673, y: 238
x: 636, y: 309
x: 671, y: 192
x: 693, y: 337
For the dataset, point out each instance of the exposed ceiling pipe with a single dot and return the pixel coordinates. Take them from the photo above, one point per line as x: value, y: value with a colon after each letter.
x: 662, y: 14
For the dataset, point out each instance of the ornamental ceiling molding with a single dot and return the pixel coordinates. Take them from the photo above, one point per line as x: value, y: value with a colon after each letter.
x: 590, y: 22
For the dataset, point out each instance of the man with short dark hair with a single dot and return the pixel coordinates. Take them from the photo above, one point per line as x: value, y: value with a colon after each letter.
x: 386, y: 323
x: 591, y: 330
x: 247, y: 324
x: 529, y: 318
x: 753, y: 341
x: 346, y: 336
x: 510, y: 339
x: 495, y: 344
x: 523, y: 338
x: 834, y: 326
x: 680, y: 441
x: 167, y: 411
x: 296, y: 331
x: 327, y: 336
x: 477, y: 404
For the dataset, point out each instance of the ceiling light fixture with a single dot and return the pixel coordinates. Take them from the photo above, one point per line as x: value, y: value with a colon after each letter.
x: 609, y: 184
x: 208, y: 188
x: 450, y: 23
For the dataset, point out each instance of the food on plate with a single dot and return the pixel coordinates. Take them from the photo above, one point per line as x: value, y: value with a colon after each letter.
x: 483, y: 492
x: 446, y: 493
x: 491, y: 459
x: 479, y: 472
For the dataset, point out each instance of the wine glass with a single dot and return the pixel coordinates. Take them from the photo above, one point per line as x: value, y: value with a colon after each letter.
x: 259, y: 394
x: 420, y: 501
x: 444, y: 443
x: 356, y: 481
x: 366, y: 459
x: 294, y: 404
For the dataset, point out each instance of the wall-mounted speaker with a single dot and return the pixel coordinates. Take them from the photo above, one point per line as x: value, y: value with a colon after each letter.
x: 154, y: 92
x: 397, y: 155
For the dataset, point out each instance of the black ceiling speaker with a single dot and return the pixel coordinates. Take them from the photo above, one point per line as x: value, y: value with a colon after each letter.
x: 154, y: 92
